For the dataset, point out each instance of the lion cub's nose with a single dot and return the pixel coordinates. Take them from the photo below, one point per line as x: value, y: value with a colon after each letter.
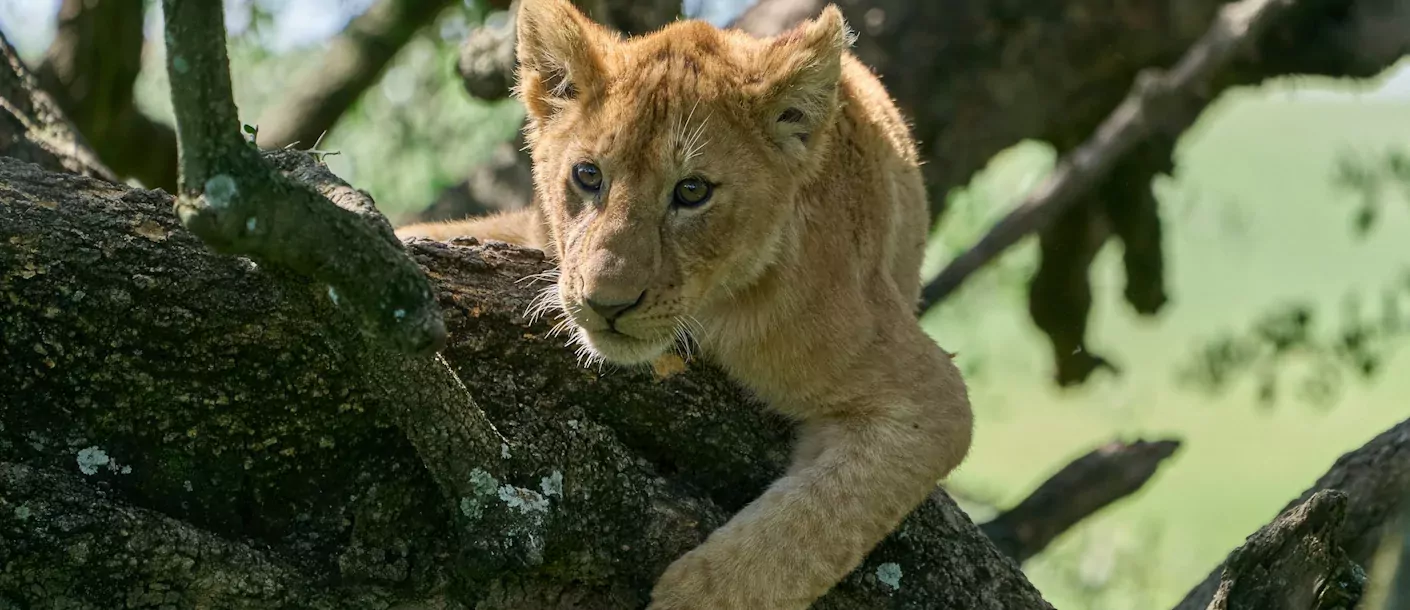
x: 609, y: 307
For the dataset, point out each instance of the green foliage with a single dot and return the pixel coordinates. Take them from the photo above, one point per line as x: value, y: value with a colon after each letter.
x: 1287, y: 340
x: 1374, y: 179
x: 409, y: 136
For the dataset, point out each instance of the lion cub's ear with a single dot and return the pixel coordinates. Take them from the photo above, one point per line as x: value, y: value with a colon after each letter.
x: 801, y: 69
x: 558, y: 54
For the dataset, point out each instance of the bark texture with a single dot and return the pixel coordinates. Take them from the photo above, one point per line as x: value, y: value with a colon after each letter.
x: 1294, y: 563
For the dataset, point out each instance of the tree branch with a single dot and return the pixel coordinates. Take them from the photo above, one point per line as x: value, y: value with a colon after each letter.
x: 1374, y: 479
x: 353, y: 61
x: 90, y: 69
x: 63, y: 536
x: 33, y: 128
x: 1079, y: 490
x: 1294, y: 563
x: 234, y: 201
x: 1153, y: 100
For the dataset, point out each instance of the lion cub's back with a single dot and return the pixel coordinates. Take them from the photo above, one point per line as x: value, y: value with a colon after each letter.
x: 895, y: 209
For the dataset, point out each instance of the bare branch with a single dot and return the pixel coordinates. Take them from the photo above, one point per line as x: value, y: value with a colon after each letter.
x: 1081, y: 489
x: 353, y: 61
x: 1155, y: 97
x: 238, y: 204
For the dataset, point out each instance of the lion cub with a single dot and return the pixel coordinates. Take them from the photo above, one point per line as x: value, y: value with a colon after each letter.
x: 763, y: 193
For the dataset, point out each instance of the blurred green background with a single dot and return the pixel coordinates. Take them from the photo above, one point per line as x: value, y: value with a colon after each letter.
x: 1255, y: 222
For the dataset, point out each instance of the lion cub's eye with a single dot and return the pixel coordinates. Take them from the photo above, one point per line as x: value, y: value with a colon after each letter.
x: 588, y: 177
x: 691, y: 192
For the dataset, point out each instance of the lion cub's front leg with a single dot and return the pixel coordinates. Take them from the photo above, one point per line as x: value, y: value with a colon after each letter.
x: 857, y: 472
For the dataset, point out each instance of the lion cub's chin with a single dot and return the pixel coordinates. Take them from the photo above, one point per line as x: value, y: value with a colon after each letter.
x: 619, y: 348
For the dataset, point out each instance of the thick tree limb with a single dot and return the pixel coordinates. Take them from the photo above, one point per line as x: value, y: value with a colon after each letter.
x: 1153, y: 99
x: 234, y: 201
x: 1374, y: 479
x: 245, y: 404
x: 1079, y: 490
x: 32, y: 126
x: 353, y: 61
x: 1294, y: 563
x: 90, y: 68
x: 63, y: 540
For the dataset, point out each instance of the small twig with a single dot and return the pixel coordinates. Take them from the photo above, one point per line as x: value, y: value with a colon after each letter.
x: 239, y: 202
x: 1087, y: 485
x: 1152, y: 100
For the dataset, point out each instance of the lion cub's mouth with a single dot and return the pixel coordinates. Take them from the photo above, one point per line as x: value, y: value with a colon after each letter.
x: 618, y: 347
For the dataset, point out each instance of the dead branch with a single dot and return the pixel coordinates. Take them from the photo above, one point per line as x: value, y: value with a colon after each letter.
x: 238, y: 204
x: 1079, y: 490
x: 353, y: 61
x: 1154, y: 98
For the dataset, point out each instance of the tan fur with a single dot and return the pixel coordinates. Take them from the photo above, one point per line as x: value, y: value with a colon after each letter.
x: 800, y: 277
x: 516, y: 227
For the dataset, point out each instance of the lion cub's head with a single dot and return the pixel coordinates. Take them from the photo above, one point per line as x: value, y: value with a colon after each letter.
x: 667, y: 165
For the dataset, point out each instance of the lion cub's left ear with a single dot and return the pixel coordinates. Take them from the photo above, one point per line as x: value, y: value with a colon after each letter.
x: 801, y: 71
x: 558, y: 51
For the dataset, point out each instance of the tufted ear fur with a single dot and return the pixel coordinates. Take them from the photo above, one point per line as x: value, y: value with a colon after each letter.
x: 802, y: 68
x: 558, y: 54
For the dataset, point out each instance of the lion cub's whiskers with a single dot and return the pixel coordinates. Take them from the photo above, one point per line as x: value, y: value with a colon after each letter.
x: 547, y: 300
x: 687, y: 331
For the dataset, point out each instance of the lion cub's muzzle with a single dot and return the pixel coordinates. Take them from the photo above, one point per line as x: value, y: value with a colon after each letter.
x: 610, y: 306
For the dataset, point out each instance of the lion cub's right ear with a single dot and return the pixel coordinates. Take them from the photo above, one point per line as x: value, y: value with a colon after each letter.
x: 558, y: 55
